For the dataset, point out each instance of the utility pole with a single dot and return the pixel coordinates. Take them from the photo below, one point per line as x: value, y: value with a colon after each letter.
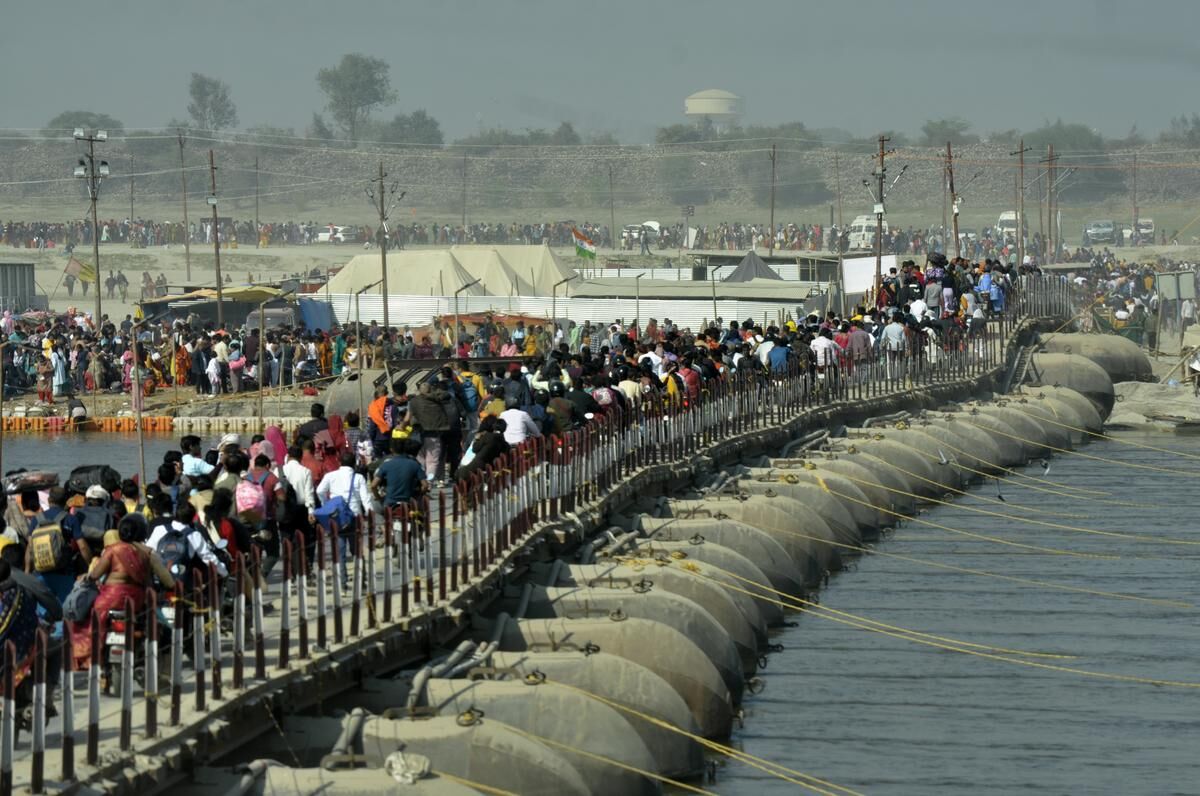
x: 257, y: 234
x: 187, y: 232
x: 953, y: 199
x: 131, y: 193
x: 216, y: 233
x: 771, y: 240
x: 882, y: 176
x: 383, y: 242
x: 1020, y: 153
x: 464, y: 193
x: 93, y: 173
x: 612, y: 210
x: 1052, y: 231
x: 837, y: 172
x: 1135, y: 203
x: 378, y: 196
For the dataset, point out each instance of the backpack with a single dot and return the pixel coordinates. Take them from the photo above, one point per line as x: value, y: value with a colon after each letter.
x: 250, y: 497
x: 470, y: 395
x: 175, y: 553
x: 94, y: 521
x: 78, y: 605
x: 51, y: 551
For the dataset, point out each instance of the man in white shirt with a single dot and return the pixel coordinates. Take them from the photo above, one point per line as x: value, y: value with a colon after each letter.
x: 763, y: 349
x: 346, y: 483
x: 300, y: 478
x: 519, y: 426
x: 198, y: 546
x: 894, y: 341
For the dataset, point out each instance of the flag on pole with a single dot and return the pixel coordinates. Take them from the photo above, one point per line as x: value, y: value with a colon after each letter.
x: 584, y: 246
x: 80, y: 270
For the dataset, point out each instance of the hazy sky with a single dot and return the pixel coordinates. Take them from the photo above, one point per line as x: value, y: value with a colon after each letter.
x: 619, y: 65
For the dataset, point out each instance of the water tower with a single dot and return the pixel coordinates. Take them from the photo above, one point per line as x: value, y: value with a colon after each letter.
x: 721, y: 108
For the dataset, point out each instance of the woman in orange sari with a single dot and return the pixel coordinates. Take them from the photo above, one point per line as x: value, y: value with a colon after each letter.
x: 127, y: 568
x: 325, y: 355
x: 183, y: 364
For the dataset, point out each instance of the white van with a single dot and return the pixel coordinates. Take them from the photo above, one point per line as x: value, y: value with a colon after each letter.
x: 862, y: 233
x: 1006, y: 227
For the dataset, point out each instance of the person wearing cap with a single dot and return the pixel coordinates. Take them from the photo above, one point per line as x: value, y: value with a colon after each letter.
x: 94, y: 516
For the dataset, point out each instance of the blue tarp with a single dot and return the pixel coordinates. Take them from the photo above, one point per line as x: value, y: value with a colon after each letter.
x: 316, y: 313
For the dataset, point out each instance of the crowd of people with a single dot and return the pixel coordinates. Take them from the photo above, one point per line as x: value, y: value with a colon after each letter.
x: 101, y: 540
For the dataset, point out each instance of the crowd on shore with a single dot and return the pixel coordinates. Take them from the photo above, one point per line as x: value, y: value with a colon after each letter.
x: 647, y: 238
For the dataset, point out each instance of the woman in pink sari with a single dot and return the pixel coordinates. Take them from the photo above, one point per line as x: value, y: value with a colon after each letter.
x: 127, y: 568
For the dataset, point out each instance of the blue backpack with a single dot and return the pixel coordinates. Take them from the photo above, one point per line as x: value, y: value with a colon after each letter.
x: 470, y: 395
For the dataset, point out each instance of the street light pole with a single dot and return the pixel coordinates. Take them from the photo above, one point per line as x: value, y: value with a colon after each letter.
x: 554, y: 296
x: 460, y: 290
x: 358, y: 338
x: 93, y: 173
x: 637, y: 298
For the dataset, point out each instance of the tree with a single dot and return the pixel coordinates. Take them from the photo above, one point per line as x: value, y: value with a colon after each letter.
x: 69, y: 120
x: 565, y: 135
x: 319, y: 129
x: 679, y: 134
x: 211, y: 108
x: 417, y: 127
x: 936, y: 132
x: 354, y: 88
x: 1183, y: 130
x: 1092, y: 176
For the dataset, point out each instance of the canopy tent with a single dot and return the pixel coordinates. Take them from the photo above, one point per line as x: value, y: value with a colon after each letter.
x: 539, y: 264
x: 434, y: 272
x: 249, y: 294
x: 751, y: 267
x: 496, y: 276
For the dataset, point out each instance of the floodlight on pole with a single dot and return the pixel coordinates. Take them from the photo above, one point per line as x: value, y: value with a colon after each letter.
x: 93, y: 172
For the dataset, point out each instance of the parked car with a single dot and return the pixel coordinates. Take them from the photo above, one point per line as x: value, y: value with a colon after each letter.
x: 333, y: 233
x: 1098, y: 232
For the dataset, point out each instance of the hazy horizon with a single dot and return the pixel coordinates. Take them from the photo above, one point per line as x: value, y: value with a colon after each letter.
x: 621, y: 67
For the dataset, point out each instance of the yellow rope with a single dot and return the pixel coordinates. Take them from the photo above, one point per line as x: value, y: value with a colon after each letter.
x: 865, y: 623
x: 1036, y: 487
x: 1126, y: 678
x: 610, y: 761
x: 479, y: 786
x: 968, y: 494
x: 1137, y: 465
x: 1056, y: 525
x: 1111, y: 438
x: 985, y: 573
x: 774, y: 769
x: 994, y: 539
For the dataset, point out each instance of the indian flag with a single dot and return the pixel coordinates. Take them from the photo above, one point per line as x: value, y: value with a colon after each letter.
x: 584, y: 247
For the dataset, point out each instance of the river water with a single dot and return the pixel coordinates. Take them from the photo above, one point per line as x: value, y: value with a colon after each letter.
x: 64, y: 452
x: 878, y: 714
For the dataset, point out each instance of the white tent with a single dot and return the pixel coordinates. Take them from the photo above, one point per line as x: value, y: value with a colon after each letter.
x: 538, y: 264
x: 434, y: 272
x: 496, y: 276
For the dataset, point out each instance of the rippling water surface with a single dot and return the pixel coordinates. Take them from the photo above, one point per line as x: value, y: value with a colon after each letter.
x: 879, y: 714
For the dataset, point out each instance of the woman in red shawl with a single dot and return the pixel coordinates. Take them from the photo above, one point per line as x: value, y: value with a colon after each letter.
x: 337, y: 434
x: 127, y: 568
x: 308, y: 458
x: 275, y: 436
